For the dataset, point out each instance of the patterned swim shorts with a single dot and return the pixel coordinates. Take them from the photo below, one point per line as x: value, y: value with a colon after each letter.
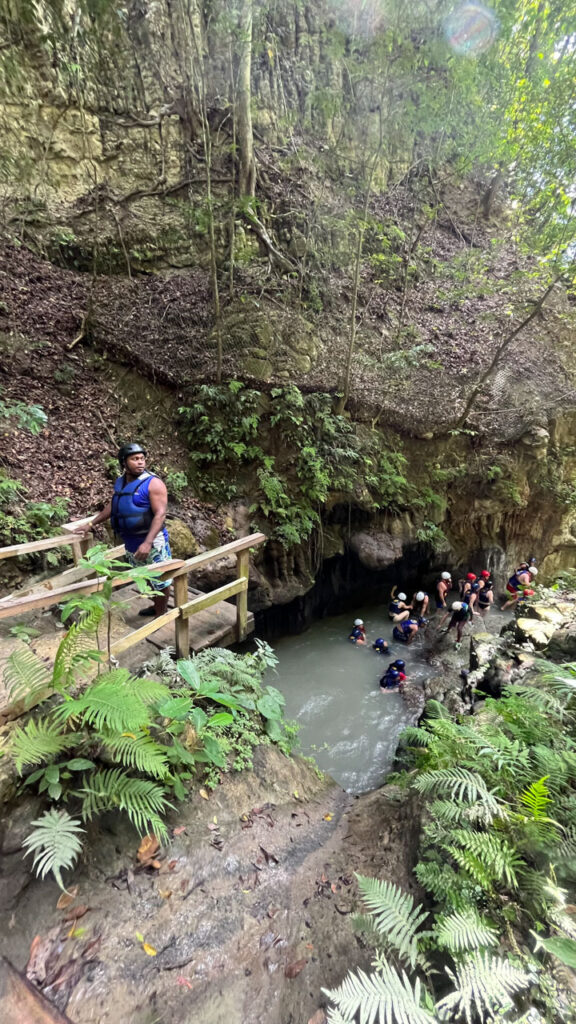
x: 160, y: 553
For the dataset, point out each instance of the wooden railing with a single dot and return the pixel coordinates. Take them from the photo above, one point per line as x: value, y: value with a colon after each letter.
x: 175, y: 569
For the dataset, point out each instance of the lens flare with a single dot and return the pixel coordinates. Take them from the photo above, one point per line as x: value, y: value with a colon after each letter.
x: 470, y: 29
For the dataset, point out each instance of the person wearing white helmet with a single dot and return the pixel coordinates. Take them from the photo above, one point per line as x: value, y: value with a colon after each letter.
x: 420, y: 602
x: 461, y: 613
x: 443, y: 588
x: 398, y: 609
x: 520, y: 580
x: 358, y: 634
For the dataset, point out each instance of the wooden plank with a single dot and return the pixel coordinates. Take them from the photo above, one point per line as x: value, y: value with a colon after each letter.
x: 25, y: 604
x: 182, y: 624
x: 242, y: 544
x: 36, y: 545
x: 243, y: 570
x: 21, y: 1003
x: 198, y: 604
x: 140, y: 634
x: 75, y: 524
x: 68, y: 576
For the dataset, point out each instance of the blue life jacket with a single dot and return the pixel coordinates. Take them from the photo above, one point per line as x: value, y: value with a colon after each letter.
x: 388, y: 682
x: 128, y: 518
x: 402, y: 631
x: 394, y: 608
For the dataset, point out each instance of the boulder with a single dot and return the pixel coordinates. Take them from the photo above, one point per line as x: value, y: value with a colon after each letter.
x: 535, y: 632
x: 183, y: 543
x: 376, y: 549
x: 562, y: 646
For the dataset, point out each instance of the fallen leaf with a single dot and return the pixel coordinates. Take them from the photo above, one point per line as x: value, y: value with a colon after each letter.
x: 323, y: 878
x: 148, y: 847
x: 178, y: 831
x: 139, y: 936
x: 204, y: 794
x: 334, y: 887
x: 148, y: 949
x: 43, y: 951
x: 293, y: 970
x: 328, y: 817
x: 215, y: 820
x: 76, y: 933
x: 184, y: 981
x: 318, y: 1018
x: 171, y: 865
x: 156, y: 864
x: 76, y: 912
x: 67, y: 898
x: 165, y: 893
x: 212, y: 826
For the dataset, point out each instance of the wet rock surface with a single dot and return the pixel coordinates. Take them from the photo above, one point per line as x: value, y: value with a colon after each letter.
x: 248, y: 912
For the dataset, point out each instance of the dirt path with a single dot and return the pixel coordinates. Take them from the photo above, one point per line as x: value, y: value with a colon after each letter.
x: 248, y: 910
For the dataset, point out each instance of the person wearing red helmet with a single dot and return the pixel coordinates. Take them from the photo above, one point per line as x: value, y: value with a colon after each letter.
x: 137, y: 510
x: 465, y: 586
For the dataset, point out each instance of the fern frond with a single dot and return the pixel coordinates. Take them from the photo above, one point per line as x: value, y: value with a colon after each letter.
x: 459, y: 784
x: 435, y: 709
x: 138, y: 750
x: 558, y: 766
x: 37, y: 742
x: 412, y: 736
x: 143, y: 801
x: 26, y: 677
x: 449, y: 812
x: 106, y: 705
x: 79, y: 647
x: 536, y: 799
x: 499, y: 861
x: 55, y: 843
x: 148, y: 690
x: 464, y: 930
x: 483, y: 986
x: 395, y: 917
x: 537, y: 698
x: 385, y: 995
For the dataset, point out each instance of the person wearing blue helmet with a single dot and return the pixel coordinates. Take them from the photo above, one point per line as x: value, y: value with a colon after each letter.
x: 380, y: 646
x: 390, y: 680
x: 400, y: 667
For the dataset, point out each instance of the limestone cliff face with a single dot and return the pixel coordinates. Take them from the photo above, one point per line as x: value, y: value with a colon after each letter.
x: 110, y: 127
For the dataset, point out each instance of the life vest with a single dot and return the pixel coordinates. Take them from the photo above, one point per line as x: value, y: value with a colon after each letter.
x: 515, y: 583
x: 395, y: 609
x: 461, y: 614
x: 128, y: 518
x: 387, y: 682
x: 402, y: 631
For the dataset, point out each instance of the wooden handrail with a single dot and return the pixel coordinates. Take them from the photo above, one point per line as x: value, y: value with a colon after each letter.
x: 233, y: 548
x: 177, y: 569
x: 38, y: 545
x: 25, y: 604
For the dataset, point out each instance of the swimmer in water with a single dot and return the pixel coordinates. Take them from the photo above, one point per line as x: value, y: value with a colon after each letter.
x: 390, y: 680
x: 358, y: 634
x: 380, y: 646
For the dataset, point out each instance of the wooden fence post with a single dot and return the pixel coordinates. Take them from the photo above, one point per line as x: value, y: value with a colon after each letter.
x: 182, y: 625
x: 242, y: 569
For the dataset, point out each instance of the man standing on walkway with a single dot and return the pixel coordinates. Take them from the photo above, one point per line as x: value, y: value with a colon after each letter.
x: 137, y: 511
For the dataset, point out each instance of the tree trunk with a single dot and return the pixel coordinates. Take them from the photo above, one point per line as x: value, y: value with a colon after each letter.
x: 247, y: 176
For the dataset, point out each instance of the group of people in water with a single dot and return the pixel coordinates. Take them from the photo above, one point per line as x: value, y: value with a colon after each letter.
x: 475, y: 597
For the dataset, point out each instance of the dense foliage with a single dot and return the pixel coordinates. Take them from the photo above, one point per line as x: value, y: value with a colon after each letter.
x: 132, y: 744
x: 497, y: 861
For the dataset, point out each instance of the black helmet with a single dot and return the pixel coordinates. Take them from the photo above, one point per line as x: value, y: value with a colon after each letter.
x: 129, y: 449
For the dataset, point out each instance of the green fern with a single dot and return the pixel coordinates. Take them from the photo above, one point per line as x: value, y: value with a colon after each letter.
x: 26, y: 677
x: 107, y: 704
x: 37, y: 742
x: 385, y: 996
x: 483, y: 986
x: 143, y: 801
x: 55, y: 843
x: 464, y: 930
x: 76, y: 650
x: 459, y: 783
x: 442, y: 881
x: 138, y: 750
x: 435, y: 709
x: 394, y: 915
x: 536, y: 799
x: 413, y: 736
x: 487, y: 857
